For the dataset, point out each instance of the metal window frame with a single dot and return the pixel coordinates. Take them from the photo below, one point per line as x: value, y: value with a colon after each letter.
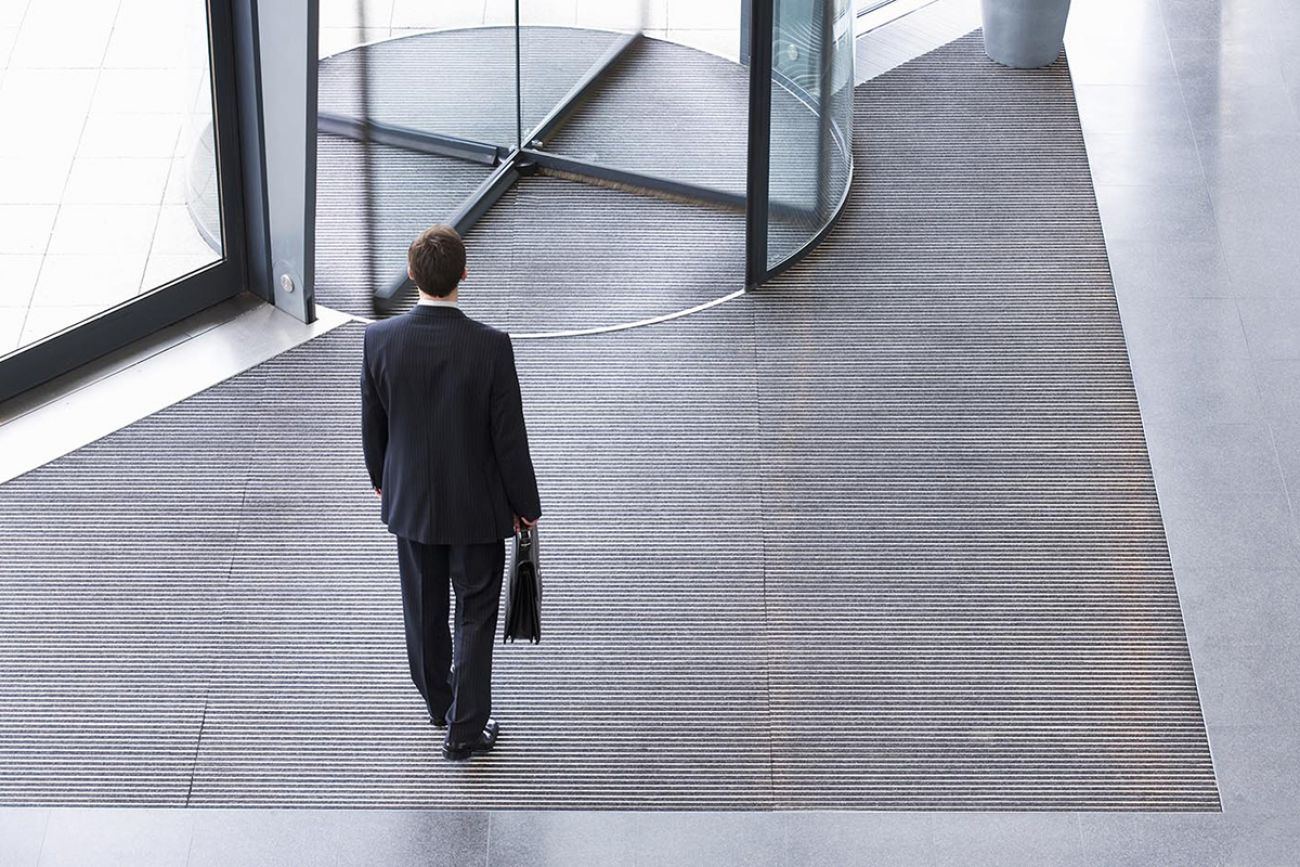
x: 165, y: 305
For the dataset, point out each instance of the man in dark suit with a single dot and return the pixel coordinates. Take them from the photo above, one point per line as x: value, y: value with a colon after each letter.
x: 442, y: 426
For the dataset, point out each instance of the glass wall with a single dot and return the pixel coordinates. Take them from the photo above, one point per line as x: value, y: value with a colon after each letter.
x: 810, y: 151
x: 108, y: 173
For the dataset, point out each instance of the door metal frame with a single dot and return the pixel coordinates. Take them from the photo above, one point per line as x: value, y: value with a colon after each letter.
x: 829, y: 134
x: 276, y: 57
x: 758, y: 167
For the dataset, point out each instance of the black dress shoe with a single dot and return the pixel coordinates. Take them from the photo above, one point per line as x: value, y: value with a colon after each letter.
x: 487, y: 739
x: 439, y: 722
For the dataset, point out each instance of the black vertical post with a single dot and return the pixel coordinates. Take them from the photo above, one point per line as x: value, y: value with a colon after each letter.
x: 276, y: 55
x: 248, y: 86
x: 760, y: 144
x: 312, y: 93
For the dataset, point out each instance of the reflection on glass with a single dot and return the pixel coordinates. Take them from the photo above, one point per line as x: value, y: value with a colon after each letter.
x: 812, y: 116
x: 604, y: 92
x: 675, y: 104
x: 107, y: 187
x: 561, y: 44
x: 456, y: 82
x: 449, y: 69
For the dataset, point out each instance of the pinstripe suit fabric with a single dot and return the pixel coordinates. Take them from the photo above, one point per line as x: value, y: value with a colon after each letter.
x: 442, y: 428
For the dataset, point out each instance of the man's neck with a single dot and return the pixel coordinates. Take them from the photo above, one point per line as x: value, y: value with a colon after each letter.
x: 450, y: 298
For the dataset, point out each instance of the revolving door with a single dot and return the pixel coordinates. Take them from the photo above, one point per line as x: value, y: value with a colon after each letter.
x: 758, y: 124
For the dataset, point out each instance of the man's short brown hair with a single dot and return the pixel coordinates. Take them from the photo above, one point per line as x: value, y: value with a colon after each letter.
x: 437, y: 260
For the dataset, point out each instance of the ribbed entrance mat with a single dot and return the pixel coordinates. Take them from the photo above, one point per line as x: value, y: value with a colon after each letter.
x: 880, y: 536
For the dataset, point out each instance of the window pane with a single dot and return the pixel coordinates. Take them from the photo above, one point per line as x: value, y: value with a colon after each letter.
x: 675, y: 105
x: 108, y: 185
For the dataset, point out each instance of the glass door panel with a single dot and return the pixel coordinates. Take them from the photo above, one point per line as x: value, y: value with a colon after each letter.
x: 811, y: 121
x: 564, y: 45
x: 426, y: 65
x: 673, y: 106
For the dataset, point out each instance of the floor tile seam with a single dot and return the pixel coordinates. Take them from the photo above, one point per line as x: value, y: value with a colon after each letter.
x: 45, y: 833
x: 760, y: 477
x: 1235, y: 294
x: 63, y: 191
x: 157, y: 222
x: 1273, y: 43
x: 1200, y: 157
x: 1291, y: 496
x: 220, y: 630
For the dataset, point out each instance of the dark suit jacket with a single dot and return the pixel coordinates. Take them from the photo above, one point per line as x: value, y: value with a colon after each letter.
x: 442, y: 425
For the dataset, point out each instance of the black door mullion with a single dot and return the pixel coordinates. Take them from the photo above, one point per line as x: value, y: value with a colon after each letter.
x: 758, y: 163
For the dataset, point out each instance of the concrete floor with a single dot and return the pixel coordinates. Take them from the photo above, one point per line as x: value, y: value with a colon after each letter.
x: 1191, y: 109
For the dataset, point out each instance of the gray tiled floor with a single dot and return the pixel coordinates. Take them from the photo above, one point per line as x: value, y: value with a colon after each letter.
x: 1190, y: 251
x: 1208, y: 278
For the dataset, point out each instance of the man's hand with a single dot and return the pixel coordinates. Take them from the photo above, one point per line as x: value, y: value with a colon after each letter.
x: 527, y: 523
x: 379, y: 493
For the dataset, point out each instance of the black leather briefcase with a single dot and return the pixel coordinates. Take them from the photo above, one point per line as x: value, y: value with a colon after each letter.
x: 524, y: 591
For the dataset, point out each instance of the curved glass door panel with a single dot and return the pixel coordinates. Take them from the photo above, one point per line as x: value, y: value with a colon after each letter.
x: 673, y: 106
x: 811, y: 156
x: 465, y: 70
x: 562, y: 53
x: 457, y: 82
x: 604, y: 93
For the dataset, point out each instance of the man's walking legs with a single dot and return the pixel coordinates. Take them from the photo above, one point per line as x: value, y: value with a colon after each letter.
x: 425, y: 592
x: 476, y: 574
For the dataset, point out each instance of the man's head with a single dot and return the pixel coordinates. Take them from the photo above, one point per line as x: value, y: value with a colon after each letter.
x: 436, y: 261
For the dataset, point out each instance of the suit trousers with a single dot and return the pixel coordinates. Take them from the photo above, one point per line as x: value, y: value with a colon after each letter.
x: 452, y: 673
